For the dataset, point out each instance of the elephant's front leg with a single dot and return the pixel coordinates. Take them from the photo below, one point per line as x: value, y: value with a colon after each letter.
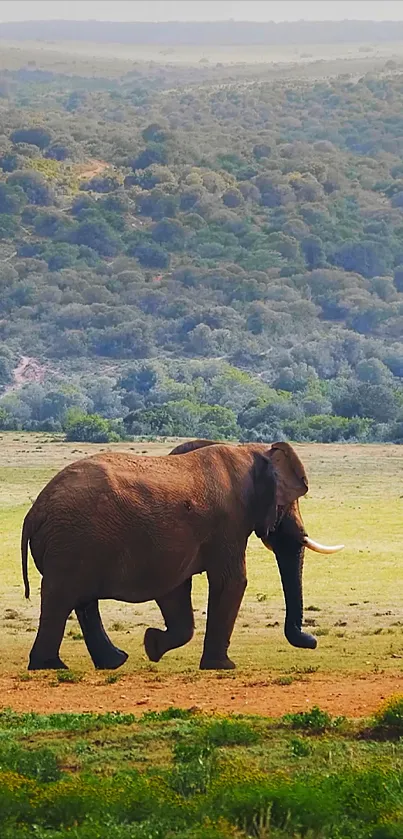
x: 104, y: 654
x: 226, y: 590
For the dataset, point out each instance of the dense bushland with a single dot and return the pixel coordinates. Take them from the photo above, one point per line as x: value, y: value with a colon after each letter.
x: 233, y: 267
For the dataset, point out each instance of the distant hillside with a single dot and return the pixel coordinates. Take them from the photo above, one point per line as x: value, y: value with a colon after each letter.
x: 217, y: 259
x: 220, y: 33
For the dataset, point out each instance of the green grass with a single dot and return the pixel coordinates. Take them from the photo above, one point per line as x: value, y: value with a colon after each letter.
x: 354, y: 497
x: 184, y: 774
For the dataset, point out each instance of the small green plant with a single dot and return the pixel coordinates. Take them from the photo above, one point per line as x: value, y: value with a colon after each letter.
x: 315, y: 721
x: 68, y: 676
x: 299, y: 747
x: 40, y: 764
x: 112, y: 678
x: 305, y: 671
x: 194, y: 765
x: 171, y: 713
x: 231, y: 732
x: 389, y: 718
x: 284, y: 680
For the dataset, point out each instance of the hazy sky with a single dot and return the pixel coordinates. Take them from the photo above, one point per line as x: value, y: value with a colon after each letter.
x: 160, y: 10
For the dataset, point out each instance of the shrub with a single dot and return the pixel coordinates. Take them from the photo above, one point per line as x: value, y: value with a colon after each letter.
x: 40, y: 764
x: 90, y: 428
x: 315, y: 720
x: 231, y: 732
x: 389, y: 718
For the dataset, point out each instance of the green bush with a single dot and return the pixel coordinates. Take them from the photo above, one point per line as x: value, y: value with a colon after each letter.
x: 89, y: 428
x: 40, y: 764
x: 389, y: 718
x: 230, y: 732
x: 315, y: 720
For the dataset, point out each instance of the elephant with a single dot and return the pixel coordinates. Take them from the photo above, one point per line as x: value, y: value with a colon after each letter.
x: 133, y: 528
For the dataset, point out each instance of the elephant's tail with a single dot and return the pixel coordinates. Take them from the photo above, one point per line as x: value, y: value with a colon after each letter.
x: 25, y: 537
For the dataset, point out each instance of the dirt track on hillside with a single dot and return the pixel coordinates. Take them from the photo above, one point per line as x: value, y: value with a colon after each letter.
x: 354, y: 695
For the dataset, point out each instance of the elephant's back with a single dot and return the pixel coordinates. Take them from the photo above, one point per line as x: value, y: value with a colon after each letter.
x: 88, y: 485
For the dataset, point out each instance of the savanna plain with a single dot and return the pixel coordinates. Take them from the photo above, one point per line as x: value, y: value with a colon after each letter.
x: 293, y: 743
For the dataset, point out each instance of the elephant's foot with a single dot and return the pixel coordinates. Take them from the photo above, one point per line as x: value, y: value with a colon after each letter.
x: 104, y: 654
x: 223, y: 663
x: 111, y: 660
x: 153, y: 643
x: 56, y: 663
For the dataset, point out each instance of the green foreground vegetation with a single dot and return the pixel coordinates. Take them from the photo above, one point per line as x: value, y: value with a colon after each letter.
x: 182, y: 774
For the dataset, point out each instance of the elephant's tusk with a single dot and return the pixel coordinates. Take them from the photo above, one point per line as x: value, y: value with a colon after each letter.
x: 321, y: 549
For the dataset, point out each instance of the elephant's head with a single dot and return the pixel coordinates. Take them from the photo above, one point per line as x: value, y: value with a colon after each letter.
x: 283, y: 533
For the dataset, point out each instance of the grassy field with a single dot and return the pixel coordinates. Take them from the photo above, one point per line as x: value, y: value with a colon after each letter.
x: 184, y: 774
x: 352, y: 600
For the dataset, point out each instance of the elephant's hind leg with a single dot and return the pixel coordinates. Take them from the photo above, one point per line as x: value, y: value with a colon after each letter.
x: 55, y: 609
x: 177, y: 611
x: 104, y: 654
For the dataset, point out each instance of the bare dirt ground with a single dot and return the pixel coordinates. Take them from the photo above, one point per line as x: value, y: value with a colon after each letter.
x: 92, y: 168
x: 28, y: 370
x: 353, y: 695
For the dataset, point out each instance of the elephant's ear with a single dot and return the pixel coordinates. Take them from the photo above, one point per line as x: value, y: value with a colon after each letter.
x: 191, y: 445
x: 291, y: 478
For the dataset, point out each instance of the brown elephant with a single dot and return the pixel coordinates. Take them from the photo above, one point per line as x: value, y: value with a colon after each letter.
x: 117, y: 526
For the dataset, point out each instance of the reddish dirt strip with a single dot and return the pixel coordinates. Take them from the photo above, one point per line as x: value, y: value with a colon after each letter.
x: 352, y: 695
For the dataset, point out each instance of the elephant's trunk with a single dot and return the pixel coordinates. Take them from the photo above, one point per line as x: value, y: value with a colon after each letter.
x: 290, y: 567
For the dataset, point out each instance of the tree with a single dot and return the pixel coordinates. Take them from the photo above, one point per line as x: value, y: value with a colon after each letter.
x: 376, y: 402
x: 12, y: 199
x: 34, y: 185
x: 154, y: 153
x: 99, y: 235
x: 101, y: 183
x: 142, y: 379
x: 104, y: 397
x: 201, y: 340
x: 9, y: 227
x: 217, y: 422
x: 59, y: 151
x: 9, y: 162
x: 313, y: 250
x: 154, y: 133
x: 151, y: 255
x: 261, y: 150
x: 35, y: 136
x: 88, y: 428
x: 371, y: 259
x: 232, y: 197
x: 6, y: 374
x: 372, y: 371
x: 157, y: 204
x: 170, y: 233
